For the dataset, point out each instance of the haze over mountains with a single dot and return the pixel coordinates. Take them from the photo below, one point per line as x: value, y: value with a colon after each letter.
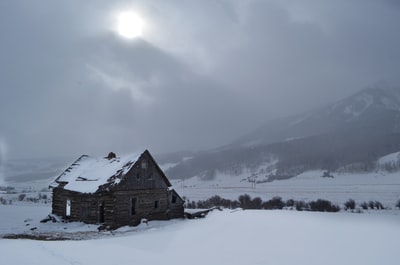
x: 348, y: 135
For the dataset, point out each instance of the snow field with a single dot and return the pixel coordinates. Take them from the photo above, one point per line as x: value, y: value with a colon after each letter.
x: 240, y: 237
x: 382, y: 187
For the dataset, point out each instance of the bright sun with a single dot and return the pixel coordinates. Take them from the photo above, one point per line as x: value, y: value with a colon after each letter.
x: 129, y: 25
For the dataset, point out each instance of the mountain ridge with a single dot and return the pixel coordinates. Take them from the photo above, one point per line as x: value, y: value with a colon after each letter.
x: 353, y: 110
x: 350, y: 134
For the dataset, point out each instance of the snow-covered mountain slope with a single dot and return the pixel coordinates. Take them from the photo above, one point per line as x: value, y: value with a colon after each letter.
x: 345, y: 152
x: 349, y: 134
x: 390, y: 158
x: 376, y: 109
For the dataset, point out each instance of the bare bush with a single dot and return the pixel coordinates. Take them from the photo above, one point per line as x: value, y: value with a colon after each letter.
x: 350, y: 205
x: 21, y: 197
x: 323, y: 206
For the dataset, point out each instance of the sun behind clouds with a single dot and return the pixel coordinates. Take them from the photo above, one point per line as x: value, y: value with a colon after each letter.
x: 129, y: 25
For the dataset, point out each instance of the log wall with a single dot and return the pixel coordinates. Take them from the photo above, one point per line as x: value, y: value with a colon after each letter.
x: 114, y: 209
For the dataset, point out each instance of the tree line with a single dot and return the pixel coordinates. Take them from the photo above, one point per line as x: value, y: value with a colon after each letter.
x: 245, y: 201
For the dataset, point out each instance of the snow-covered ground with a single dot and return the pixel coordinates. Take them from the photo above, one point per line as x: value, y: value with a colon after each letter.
x: 227, y: 237
x: 239, y: 237
x: 25, y: 218
x: 379, y: 186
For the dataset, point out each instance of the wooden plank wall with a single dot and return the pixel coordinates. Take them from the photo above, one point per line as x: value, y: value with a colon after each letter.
x: 117, y: 206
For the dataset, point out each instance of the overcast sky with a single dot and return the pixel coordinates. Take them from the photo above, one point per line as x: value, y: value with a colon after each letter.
x: 202, y: 74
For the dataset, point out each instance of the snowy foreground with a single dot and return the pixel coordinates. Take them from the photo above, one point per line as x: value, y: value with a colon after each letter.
x: 239, y: 237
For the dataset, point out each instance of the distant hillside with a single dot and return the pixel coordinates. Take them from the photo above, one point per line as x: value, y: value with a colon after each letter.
x: 349, y: 135
x: 374, y: 109
x: 31, y: 170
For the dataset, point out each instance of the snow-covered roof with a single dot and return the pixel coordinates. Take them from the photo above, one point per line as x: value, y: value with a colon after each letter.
x: 87, y: 173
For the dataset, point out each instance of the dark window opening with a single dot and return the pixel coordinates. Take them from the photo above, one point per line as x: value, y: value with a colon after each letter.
x: 133, y: 206
x: 173, y: 199
x: 155, y: 204
x: 85, y: 210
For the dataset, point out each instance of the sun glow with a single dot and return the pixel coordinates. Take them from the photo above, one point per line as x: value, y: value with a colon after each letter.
x: 129, y: 25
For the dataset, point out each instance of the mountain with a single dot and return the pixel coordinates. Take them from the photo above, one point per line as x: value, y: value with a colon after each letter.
x: 348, y: 135
x: 375, y: 109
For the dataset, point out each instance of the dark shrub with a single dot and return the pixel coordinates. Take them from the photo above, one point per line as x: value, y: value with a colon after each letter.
x: 256, y: 203
x: 214, y: 201
x: 323, y: 206
x: 245, y: 201
x: 371, y: 204
x: 235, y: 204
x: 301, y: 205
x: 364, y: 205
x: 379, y: 205
x: 190, y: 204
x: 201, y: 205
x: 350, y: 205
x: 398, y: 204
x: 290, y: 203
x: 3, y: 201
x: 21, y: 197
x: 274, y: 203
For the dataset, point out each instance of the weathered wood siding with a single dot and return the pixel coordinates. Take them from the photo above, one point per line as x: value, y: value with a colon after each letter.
x: 84, y: 207
x: 175, y: 205
x: 143, y: 175
x: 145, y: 206
x: 58, y: 204
x: 151, y: 204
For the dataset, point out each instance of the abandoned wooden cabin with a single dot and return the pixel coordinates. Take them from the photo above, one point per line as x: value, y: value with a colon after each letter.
x: 115, y: 191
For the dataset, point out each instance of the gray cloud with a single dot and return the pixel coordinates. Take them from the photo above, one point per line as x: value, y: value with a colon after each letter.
x: 204, y: 73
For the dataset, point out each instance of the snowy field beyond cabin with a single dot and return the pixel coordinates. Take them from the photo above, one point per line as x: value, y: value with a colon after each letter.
x: 239, y: 237
x: 377, y: 186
